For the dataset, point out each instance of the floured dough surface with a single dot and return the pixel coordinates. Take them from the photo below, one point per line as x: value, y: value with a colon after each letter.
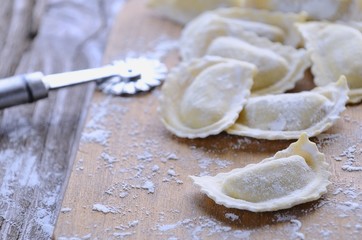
x: 205, y: 96
x: 316, y: 9
x: 279, y: 66
x: 286, y: 116
x: 293, y: 176
x: 199, y: 33
x: 182, y: 11
x: 335, y: 50
x: 251, y: 184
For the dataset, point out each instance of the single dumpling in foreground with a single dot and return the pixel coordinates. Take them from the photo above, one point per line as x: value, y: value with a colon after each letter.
x: 293, y: 176
x: 205, y: 96
x: 335, y: 49
x: 286, y: 116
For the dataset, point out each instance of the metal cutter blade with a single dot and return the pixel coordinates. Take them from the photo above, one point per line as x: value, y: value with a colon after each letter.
x: 136, y: 75
x: 126, y: 77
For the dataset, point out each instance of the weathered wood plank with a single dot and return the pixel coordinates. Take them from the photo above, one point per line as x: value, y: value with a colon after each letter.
x: 38, y: 141
x: 16, y: 25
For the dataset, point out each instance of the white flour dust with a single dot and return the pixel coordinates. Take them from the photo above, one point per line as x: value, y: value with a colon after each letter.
x: 231, y: 216
x: 160, y: 48
x: 146, y: 169
x: 104, y: 209
x: 95, y: 131
x: 351, y: 159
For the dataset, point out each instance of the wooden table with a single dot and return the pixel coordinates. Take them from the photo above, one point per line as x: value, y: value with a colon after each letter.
x: 130, y: 177
x: 38, y: 142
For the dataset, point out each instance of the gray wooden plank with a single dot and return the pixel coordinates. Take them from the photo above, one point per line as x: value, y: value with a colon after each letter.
x: 38, y: 141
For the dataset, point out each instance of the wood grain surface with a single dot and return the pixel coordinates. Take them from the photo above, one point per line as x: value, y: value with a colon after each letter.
x: 38, y: 141
x: 131, y: 176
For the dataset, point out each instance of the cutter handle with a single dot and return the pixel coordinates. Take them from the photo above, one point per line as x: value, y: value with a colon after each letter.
x: 22, y: 89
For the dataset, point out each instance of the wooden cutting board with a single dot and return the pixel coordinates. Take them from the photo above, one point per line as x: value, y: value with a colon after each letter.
x: 131, y: 176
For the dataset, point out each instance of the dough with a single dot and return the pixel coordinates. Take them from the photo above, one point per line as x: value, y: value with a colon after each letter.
x: 293, y: 176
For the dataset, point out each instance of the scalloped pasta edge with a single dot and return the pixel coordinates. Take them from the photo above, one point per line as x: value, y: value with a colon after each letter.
x: 355, y: 95
x: 298, y: 60
x: 341, y: 89
x: 211, y: 186
x: 293, y: 36
x: 216, y: 128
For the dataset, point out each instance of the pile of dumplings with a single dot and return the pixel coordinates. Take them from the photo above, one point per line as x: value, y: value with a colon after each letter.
x: 237, y: 64
x: 209, y: 92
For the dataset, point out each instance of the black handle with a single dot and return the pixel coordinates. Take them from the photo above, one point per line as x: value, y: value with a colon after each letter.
x: 22, y: 89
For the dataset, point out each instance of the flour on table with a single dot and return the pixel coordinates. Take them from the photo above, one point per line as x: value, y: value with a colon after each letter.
x: 95, y: 131
x: 123, y: 194
x: 231, y: 216
x: 85, y: 237
x: 172, y: 156
x: 104, y: 209
x: 149, y: 186
x: 327, y: 139
x: 146, y: 156
x: 65, y: 210
x: 160, y: 48
x: 298, y: 226
x: 352, y: 156
x: 122, y: 234
x: 155, y: 168
x: 198, y: 226
x: 171, y: 173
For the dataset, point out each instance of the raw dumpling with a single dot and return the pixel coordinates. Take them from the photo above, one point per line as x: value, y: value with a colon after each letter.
x: 316, y: 9
x: 335, y: 50
x: 182, y: 11
x: 293, y: 176
x: 286, y: 116
x: 279, y: 66
x: 199, y: 33
x: 205, y: 96
x: 284, y: 21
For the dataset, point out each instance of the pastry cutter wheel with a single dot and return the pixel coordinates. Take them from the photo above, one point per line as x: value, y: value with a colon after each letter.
x: 123, y: 77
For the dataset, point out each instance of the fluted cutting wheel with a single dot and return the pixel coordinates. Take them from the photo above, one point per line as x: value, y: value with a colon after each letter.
x: 135, y: 75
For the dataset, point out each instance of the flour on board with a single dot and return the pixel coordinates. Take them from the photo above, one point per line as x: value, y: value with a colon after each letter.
x: 231, y: 216
x: 104, y: 209
x: 140, y: 168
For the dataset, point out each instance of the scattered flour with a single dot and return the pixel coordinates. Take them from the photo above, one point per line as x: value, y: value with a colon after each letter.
x: 108, y: 158
x: 121, y: 235
x: 97, y: 136
x: 148, y: 159
x: 171, y: 173
x: 133, y: 223
x: 161, y: 47
x: 197, y: 226
x: 123, y: 194
x: 327, y: 139
x: 352, y: 155
x: 172, y: 156
x: 79, y: 165
x: 149, y: 186
x: 146, y: 156
x: 85, y: 237
x: 104, y: 209
x: 298, y: 226
x: 65, y: 210
x: 95, y: 130
x: 231, y: 216
x: 155, y: 168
